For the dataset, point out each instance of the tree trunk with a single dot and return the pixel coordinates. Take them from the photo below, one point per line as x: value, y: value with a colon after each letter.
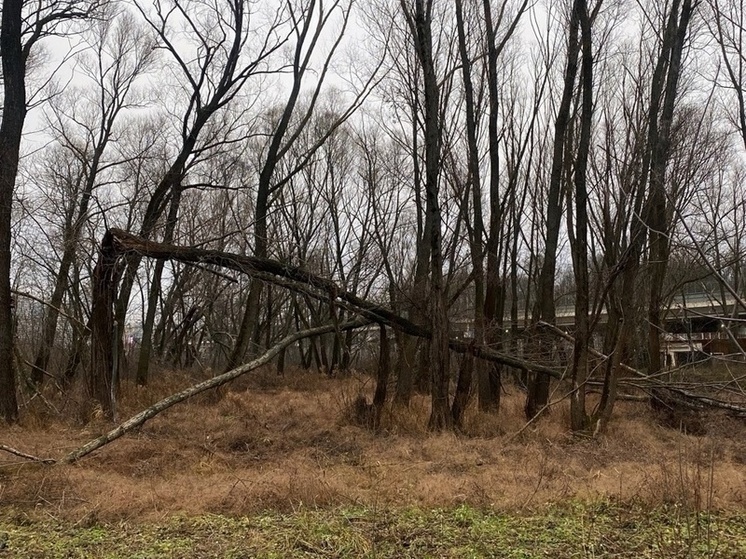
x: 440, y: 413
x: 463, y: 389
x: 212, y: 383
x: 11, y: 128
x: 146, y: 349
x: 657, y: 215
x: 579, y: 420
x: 405, y: 368
x: 487, y: 400
x: 489, y: 377
x: 544, y: 309
x: 382, y: 377
x: 101, y: 387
x: 250, y: 320
x: 408, y: 366
x: 51, y: 316
x: 420, y: 24
x: 74, y: 223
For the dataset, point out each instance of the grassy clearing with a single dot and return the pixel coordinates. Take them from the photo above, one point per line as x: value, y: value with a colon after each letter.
x: 576, y: 530
x: 276, y: 467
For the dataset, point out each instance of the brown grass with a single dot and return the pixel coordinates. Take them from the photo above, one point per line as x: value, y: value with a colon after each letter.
x: 283, y: 443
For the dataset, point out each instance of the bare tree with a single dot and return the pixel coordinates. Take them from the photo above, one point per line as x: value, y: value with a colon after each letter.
x: 226, y: 59
x: 579, y: 238
x: 419, y: 16
x: 494, y: 296
x: 122, y: 52
x: 309, y: 22
x: 664, y: 93
x: 726, y: 22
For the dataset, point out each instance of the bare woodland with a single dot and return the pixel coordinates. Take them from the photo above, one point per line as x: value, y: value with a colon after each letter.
x: 424, y: 190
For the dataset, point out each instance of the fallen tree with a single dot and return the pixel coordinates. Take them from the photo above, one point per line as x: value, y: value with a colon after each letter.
x: 664, y: 394
x: 117, y: 243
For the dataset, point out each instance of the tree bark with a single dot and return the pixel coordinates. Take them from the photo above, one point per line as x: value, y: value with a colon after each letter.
x: 382, y: 377
x: 463, y: 389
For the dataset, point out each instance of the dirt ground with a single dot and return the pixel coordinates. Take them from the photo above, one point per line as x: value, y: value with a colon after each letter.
x: 284, y: 443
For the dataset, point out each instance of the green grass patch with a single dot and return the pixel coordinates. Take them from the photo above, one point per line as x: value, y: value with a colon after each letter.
x: 573, y: 530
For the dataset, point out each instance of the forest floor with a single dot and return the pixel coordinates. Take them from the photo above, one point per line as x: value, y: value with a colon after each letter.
x: 276, y: 467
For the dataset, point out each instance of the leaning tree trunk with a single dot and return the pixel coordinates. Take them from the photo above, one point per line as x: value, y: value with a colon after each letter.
x: 51, y: 317
x: 250, y: 321
x: 211, y: 383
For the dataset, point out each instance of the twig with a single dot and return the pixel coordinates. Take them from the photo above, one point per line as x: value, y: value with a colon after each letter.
x: 51, y: 306
x: 11, y: 450
x: 539, y: 414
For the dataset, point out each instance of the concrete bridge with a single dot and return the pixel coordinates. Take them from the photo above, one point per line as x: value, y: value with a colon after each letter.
x: 696, y: 325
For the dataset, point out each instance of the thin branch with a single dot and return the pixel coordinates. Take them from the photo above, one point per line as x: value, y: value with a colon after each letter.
x: 686, y: 397
x: 26, y: 295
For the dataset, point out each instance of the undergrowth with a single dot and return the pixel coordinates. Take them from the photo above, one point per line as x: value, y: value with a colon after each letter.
x: 277, y: 463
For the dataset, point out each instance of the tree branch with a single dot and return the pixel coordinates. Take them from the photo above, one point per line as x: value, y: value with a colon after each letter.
x: 267, y: 269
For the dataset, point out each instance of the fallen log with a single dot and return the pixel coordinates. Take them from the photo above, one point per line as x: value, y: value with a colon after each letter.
x: 139, y: 419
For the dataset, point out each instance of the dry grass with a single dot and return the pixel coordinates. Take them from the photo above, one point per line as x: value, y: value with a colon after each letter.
x: 281, y: 444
